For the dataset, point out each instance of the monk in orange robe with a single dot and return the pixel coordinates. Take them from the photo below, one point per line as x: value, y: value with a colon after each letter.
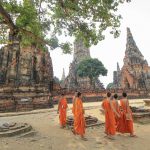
x: 116, y: 106
x: 79, y: 120
x: 110, y: 123
x: 62, y: 110
x: 73, y: 101
x: 125, y: 124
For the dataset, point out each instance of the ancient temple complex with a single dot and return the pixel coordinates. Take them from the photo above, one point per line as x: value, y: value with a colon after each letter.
x: 73, y: 81
x: 135, y: 73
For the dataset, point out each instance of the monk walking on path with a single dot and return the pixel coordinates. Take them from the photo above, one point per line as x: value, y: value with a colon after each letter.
x: 126, y: 121
x: 117, y: 108
x: 62, y: 110
x: 110, y: 123
x: 73, y: 101
x: 79, y: 120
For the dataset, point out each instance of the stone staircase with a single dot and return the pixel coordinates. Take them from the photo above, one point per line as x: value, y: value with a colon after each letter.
x: 16, y: 129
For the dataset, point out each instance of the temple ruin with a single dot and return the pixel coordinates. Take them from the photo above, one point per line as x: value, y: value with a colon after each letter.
x: 135, y: 73
x: 26, y: 78
x: 73, y: 81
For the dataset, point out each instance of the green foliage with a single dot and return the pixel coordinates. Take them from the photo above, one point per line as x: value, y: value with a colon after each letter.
x: 84, y: 19
x: 66, y: 47
x: 110, y: 85
x: 91, y: 68
x: 56, y: 80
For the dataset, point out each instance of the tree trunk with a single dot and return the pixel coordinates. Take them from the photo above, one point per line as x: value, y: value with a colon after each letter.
x: 7, y: 18
x: 14, y: 29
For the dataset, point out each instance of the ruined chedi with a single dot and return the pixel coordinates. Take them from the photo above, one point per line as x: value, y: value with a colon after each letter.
x: 73, y: 81
x: 25, y: 73
x: 62, y: 84
x: 25, y: 66
x: 135, y: 73
x: 116, y: 77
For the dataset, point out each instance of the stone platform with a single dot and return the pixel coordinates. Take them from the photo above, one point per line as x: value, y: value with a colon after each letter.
x: 90, y: 121
x: 14, y: 129
x: 140, y: 113
x: 24, y: 98
x: 147, y: 102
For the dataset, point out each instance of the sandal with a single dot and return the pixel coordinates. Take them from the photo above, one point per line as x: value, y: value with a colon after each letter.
x: 73, y: 131
x: 133, y: 135
x: 84, y: 139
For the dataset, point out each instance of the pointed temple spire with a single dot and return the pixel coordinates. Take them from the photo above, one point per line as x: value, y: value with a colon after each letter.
x: 81, y: 52
x: 131, y: 48
x: 63, y: 75
x: 118, y: 67
x: 73, y: 81
x: 135, y: 73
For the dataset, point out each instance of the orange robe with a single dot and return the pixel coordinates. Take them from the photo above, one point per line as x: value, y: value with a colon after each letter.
x: 62, y: 111
x: 73, y: 102
x: 124, y: 125
x: 79, y: 120
x: 110, y: 123
x: 116, y: 106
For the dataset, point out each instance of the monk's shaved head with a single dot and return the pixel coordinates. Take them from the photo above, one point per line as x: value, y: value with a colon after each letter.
x: 115, y: 96
x: 79, y: 94
x: 124, y: 94
x: 108, y: 94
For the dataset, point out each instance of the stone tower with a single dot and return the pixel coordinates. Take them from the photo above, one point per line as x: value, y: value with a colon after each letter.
x: 63, y: 75
x: 25, y: 73
x: 132, y: 53
x: 63, y: 79
x: 135, y: 73
x: 25, y: 66
x: 73, y: 81
x: 117, y: 77
x: 81, y: 52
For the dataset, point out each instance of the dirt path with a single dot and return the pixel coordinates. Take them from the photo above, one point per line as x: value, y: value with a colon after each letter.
x: 50, y: 137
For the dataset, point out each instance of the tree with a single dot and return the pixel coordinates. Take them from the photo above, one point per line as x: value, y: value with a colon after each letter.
x: 91, y: 68
x: 46, y: 20
x: 56, y: 79
x: 110, y: 86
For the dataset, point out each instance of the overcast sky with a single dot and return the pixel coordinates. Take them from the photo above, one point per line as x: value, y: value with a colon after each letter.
x: 136, y: 16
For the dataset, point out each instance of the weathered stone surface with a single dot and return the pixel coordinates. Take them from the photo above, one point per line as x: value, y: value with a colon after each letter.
x: 90, y: 121
x: 24, y: 73
x: 25, y: 65
x: 117, y: 77
x: 147, y: 102
x: 63, y: 79
x: 8, y: 130
x: 135, y: 73
x: 73, y: 81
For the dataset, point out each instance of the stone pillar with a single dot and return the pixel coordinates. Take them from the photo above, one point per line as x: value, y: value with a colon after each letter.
x: 25, y: 65
x: 3, y: 64
x: 13, y: 59
x: 38, y: 66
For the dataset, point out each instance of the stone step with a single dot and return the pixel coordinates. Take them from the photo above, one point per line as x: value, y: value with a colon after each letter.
x: 10, y: 133
x: 91, y: 125
x: 27, y: 134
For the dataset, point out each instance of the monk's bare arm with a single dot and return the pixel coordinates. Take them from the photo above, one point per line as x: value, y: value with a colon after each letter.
x: 58, y: 106
x: 102, y: 105
x: 114, y: 110
x: 82, y: 108
x: 128, y: 107
x: 73, y: 99
x: 67, y: 105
